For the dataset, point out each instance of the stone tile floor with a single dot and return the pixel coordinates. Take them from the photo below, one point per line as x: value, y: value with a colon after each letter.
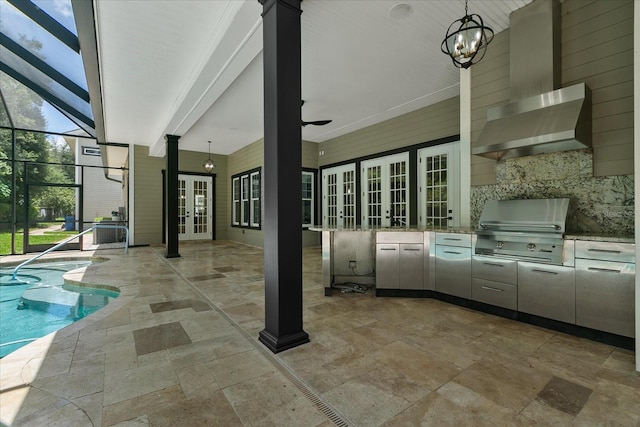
x: 179, y: 347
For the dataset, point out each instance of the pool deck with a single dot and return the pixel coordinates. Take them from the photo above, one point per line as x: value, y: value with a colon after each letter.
x: 179, y: 347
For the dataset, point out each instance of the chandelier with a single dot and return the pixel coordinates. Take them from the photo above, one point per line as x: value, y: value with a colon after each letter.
x: 466, y: 40
x: 209, y: 166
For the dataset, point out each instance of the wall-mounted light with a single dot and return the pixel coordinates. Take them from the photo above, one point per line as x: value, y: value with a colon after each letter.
x: 467, y: 39
x: 209, y: 166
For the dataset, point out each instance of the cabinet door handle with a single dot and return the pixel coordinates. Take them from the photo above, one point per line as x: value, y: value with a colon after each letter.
x: 535, y: 270
x: 412, y: 249
x: 604, y: 270
x: 452, y: 239
x: 489, y: 288
x: 605, y: 251
x: 387, y: 249
x: 453, y: 253
x: 492, y: 264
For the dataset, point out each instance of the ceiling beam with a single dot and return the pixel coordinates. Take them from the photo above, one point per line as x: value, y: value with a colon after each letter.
x: 239, y: 43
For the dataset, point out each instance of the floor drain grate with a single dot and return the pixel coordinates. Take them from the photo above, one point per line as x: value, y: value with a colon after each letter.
x: 317, y: 401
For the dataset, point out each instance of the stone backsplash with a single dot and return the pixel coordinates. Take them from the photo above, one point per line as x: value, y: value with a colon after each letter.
x: 599, y: 205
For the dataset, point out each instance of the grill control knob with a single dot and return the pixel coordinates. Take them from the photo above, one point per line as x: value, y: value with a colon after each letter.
x: 499, y: 245
x: 531, y: 246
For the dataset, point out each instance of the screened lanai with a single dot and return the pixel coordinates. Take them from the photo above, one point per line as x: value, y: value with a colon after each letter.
x: 49, y: 151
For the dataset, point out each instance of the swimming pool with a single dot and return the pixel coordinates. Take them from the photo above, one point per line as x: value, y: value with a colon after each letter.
x: 39, y: 302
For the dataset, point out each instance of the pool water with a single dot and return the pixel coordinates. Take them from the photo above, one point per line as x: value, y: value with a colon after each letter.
x: 37, y: 303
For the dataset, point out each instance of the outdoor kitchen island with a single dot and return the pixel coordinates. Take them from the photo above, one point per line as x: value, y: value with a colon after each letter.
x: 590, y: 294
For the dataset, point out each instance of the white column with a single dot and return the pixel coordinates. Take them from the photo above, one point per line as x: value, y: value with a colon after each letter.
x: 636, y: 159
x: 465, y: 147
x: 130, y: 193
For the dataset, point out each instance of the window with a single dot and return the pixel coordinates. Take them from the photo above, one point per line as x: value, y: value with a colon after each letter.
x: 246, y: 198
x: 236, y: 201
x: 308, y: 206
x: 255, y: 199
x: 90, y: 151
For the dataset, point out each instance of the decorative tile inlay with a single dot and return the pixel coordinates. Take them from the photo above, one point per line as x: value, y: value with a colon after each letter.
x: 161, y: 337
x: 226, y: 269
x: 564, y: 395
x: 177, y: 305
x: 206, y: 277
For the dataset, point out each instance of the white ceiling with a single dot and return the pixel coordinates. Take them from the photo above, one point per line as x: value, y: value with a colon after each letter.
x: 194, y: 68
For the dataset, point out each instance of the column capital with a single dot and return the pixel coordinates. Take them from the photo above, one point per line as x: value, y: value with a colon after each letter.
x: 268, y: 4
x: 171, y: 138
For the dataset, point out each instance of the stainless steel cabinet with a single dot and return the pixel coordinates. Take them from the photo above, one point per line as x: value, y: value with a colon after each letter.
x: 547, y: 291
x: 400, y: 260
x: 387, y: 266
x: 411, y: 274
x: 605, y: 296
x: 495, y: 281
x: 453, y: 264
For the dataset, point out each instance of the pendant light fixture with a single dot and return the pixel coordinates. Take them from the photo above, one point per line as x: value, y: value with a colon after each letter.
x: 467, y: 39
x: 209, y: 166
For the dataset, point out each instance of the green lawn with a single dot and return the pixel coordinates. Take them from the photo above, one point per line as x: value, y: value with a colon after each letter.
x: 47, y: 237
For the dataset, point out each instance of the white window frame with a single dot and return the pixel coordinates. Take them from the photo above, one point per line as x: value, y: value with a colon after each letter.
x: 311, y: 199
x: 253, y: 198
x: 246, y: 206
x: 385, y: 201
x: 235, y: 201
x: 452, y: 151
x: 343, y: 213
x: 245, y: 200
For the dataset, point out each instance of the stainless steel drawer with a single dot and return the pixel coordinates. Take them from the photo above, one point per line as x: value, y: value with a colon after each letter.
x: 494, y: 293
x: 399, y: 237
x: 547, y: 291
x: 495, y: 269
x: 606, y: 251
x: 453, y: 271
x: 454, y: 239
x: 605, y: 296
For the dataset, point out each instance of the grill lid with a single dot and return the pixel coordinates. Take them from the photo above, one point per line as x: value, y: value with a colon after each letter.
x: 529, y: 215
x: 529, y: 230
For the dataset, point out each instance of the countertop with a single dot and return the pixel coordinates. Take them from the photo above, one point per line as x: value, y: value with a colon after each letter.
x: 398, y: 229
x: 467, y: 230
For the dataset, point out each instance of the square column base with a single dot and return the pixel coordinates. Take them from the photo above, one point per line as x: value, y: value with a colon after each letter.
x: 278, y: 344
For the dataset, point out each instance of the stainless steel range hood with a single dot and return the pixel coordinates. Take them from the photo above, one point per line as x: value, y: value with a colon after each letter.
x: 540, y: 118
x: 554, y: 121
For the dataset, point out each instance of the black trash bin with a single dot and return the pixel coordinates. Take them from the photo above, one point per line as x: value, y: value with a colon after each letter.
x: 69, y: 223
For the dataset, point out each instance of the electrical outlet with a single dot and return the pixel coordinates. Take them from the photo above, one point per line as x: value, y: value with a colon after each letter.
x: 352, y: 264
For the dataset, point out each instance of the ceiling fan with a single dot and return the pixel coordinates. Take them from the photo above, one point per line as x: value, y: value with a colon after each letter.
x: 315, y: 122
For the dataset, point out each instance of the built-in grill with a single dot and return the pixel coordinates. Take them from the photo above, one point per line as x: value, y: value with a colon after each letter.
x: 530, y: 229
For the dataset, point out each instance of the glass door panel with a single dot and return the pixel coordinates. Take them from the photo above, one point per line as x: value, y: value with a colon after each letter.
x: 338, y: 200
x: 439, y: 187
x: 385, y: 201
x: 194, y: 207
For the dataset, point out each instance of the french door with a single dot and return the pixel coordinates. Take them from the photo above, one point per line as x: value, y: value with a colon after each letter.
x: 385, y: 191
x: 338, y: 200
x: 439, y: 186
x: 195, y: 200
